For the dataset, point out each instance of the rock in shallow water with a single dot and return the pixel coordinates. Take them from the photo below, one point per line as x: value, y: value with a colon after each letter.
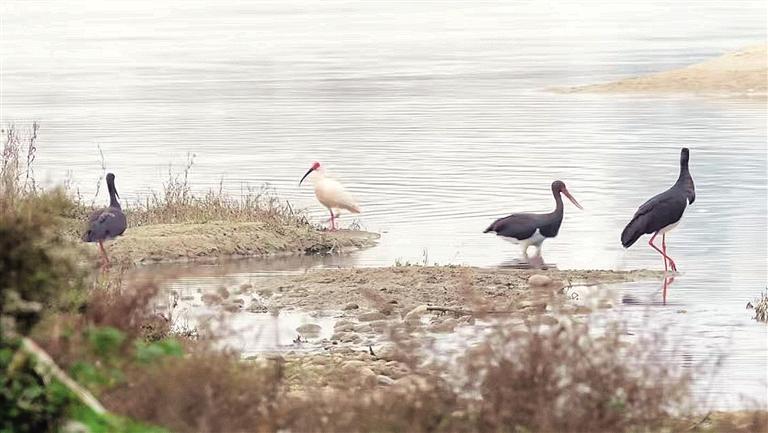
x: 211, y: 299
x: 370, y: 316
x: 310, y: 330
x: 415, y: 314
x: 384, y: 380
x: 539, y: 280
x: 256, y: 307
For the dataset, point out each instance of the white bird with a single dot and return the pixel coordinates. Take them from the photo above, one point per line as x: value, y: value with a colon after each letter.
x: 330, y: 193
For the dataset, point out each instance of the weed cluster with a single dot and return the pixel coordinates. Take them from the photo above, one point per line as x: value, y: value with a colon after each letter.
x: 760, y: 305
x: 178, y: 204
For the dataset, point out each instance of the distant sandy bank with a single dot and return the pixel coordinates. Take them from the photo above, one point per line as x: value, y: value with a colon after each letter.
x: 742, y: 73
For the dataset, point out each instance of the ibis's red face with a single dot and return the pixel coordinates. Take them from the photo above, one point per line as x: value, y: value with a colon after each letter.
x: 315, y: 166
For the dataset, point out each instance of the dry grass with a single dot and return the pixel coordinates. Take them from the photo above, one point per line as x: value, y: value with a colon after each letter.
x: 760, y: 305
x: 177, y: 204
x: 564, y: 378
x: 206, y: 391
x: 17, y: 178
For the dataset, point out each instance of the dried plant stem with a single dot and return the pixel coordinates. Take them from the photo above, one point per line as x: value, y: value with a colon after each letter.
x: 47, y: 368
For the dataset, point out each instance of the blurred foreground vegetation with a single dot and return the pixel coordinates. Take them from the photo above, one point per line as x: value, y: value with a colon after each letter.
x: 80, y: 350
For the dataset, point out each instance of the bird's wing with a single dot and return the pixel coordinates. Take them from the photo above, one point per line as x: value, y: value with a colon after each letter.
x: 332, y: 194
x: 655, y: 214
x: 666, y: 208
x: 104, y: 224
x: 519, y: 226
x: 95, y: 215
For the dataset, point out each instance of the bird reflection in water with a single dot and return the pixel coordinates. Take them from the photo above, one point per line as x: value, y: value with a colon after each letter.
x: 668, y: 280
x: 631, y: 299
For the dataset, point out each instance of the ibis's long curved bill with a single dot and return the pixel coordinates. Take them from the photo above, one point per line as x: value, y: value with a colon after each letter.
x: 306, y: 174
x: 573, y: 200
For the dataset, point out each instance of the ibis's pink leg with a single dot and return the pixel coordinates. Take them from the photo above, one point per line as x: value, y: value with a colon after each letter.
x: 650, y: 242
x: 333, y: 221
x: 664, y: 247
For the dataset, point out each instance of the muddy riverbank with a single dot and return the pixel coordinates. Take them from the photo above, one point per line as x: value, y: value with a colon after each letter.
x: 329, y: 309
x: 208, y: 241
x: 397, y: 290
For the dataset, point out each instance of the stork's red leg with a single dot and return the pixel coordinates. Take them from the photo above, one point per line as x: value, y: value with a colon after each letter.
x: 104, y: 256
x: 650, y: 242
x: 333, y: 220
x: 664, y: 247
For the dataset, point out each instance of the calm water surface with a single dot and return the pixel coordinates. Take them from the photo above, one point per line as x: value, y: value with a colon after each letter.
x: 436, y: 116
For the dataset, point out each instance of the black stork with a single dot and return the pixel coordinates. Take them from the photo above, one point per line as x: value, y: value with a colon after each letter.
x: 662, y: 213
x: 106, y: 223
x: 529, y: 229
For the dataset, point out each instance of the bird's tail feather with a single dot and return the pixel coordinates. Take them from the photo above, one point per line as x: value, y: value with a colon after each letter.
x: 632, y: 232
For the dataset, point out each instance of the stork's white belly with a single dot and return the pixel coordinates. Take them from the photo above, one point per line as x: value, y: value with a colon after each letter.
x: 535, y: 239
x: 668, y: 228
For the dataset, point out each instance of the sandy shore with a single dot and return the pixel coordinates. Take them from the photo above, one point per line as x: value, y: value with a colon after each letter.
x: 742, y: 73
x: 213, y: 240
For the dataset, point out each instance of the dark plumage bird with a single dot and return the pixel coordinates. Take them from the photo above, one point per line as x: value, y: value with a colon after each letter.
x: 662, y: 213
x: 106, y: 223
x: 532, y: 229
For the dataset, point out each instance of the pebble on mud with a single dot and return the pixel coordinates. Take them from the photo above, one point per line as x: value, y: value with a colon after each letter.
x: 346, y: 337
x: 223, y: 292
x: 211, y: 299
x: 539, y: 280
x: 353, y: 364
x: 387, y: 351
x: 311, y: 330
x: 415, y: 314
x: 264, y: 292
x: 232, y: 307
x: 384, y: 380
x: 256, y: 307
x: 245, y: 288
x: 350, y: 306
x: 370, y: 316
x: 447, y: 325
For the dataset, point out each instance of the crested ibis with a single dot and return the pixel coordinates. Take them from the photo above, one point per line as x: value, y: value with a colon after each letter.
x: 529, y: 229
x: 330, y: 193
x: 662, y: 213
x: 106, y: 223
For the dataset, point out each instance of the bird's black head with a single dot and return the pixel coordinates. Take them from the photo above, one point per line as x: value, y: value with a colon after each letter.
x: 684, y: 154
x: 559, y: 187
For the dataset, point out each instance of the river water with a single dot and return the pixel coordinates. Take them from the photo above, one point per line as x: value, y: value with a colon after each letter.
x: 437, y: 118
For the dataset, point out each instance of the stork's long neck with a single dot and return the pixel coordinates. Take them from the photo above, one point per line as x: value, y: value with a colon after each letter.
x: 112, y: 194
x: 685, y: 181
x: 558, y: 203
x: 685, y: 175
